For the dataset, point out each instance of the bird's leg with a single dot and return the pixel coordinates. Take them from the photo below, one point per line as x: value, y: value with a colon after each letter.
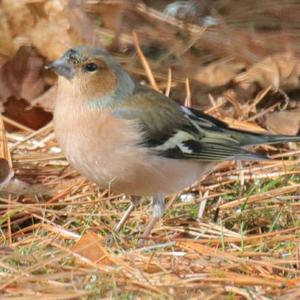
x: 133, y: 201
x: 158, y: 205
x: 110, y: 240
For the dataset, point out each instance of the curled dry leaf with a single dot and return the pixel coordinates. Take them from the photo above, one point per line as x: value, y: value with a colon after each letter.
x: 279, y: 71
x: 284, y: 122
x: 23, y: 113
x: 21, y: 76
x: 21, y: 188
x: 7, y: 47
x: 217, y: 74
x: 90, y: 246
x: 48, y: 25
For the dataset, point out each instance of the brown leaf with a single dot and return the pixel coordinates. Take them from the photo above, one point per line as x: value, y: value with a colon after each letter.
x: 52, y: 34
x: 90, y: 246
x: 21, y: 77
x: 50, y: 26
x: 217, y: 74
x: 6, y: 39
x: 280, y: 71
x: 22, y: 112
x: 284, y: 122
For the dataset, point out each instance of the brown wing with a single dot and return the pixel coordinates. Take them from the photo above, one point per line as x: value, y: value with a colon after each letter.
x: 176, y: 131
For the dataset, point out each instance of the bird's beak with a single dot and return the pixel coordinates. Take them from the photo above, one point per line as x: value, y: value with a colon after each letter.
x: 62, y: 67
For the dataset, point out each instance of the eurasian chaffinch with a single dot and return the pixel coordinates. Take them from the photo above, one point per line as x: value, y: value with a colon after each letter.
x: 132, y: 139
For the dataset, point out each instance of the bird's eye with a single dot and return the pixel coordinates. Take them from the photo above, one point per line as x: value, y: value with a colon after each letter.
x: 90, y: 67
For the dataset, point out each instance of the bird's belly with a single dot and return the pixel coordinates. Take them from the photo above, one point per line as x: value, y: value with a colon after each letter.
x: 161, y: 176
x: 135, y: 171
x: 117, y: 162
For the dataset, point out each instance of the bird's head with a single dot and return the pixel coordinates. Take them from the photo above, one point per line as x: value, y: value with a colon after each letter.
x: 92, y: 72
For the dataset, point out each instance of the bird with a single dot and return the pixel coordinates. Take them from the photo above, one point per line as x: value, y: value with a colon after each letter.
x: 132, y: 139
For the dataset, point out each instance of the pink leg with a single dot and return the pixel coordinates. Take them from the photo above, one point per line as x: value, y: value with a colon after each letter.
x: 158, y: 211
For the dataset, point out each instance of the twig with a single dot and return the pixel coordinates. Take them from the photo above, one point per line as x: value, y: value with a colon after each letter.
x: 144, y: 62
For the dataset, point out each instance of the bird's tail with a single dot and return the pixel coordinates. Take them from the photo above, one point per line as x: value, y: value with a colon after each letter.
x: 249, y: 139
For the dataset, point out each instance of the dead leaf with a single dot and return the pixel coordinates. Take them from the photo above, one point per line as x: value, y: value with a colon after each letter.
x: 280, y: 71
x: 21, y: 188
x: 51, y: 26
x: 284, y: 122
x: 90, y: 246
x: 20, y: 77
x: 52, y: 34
x: 7, y: 47
x: 23, y: 113
x: 217, y: 74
